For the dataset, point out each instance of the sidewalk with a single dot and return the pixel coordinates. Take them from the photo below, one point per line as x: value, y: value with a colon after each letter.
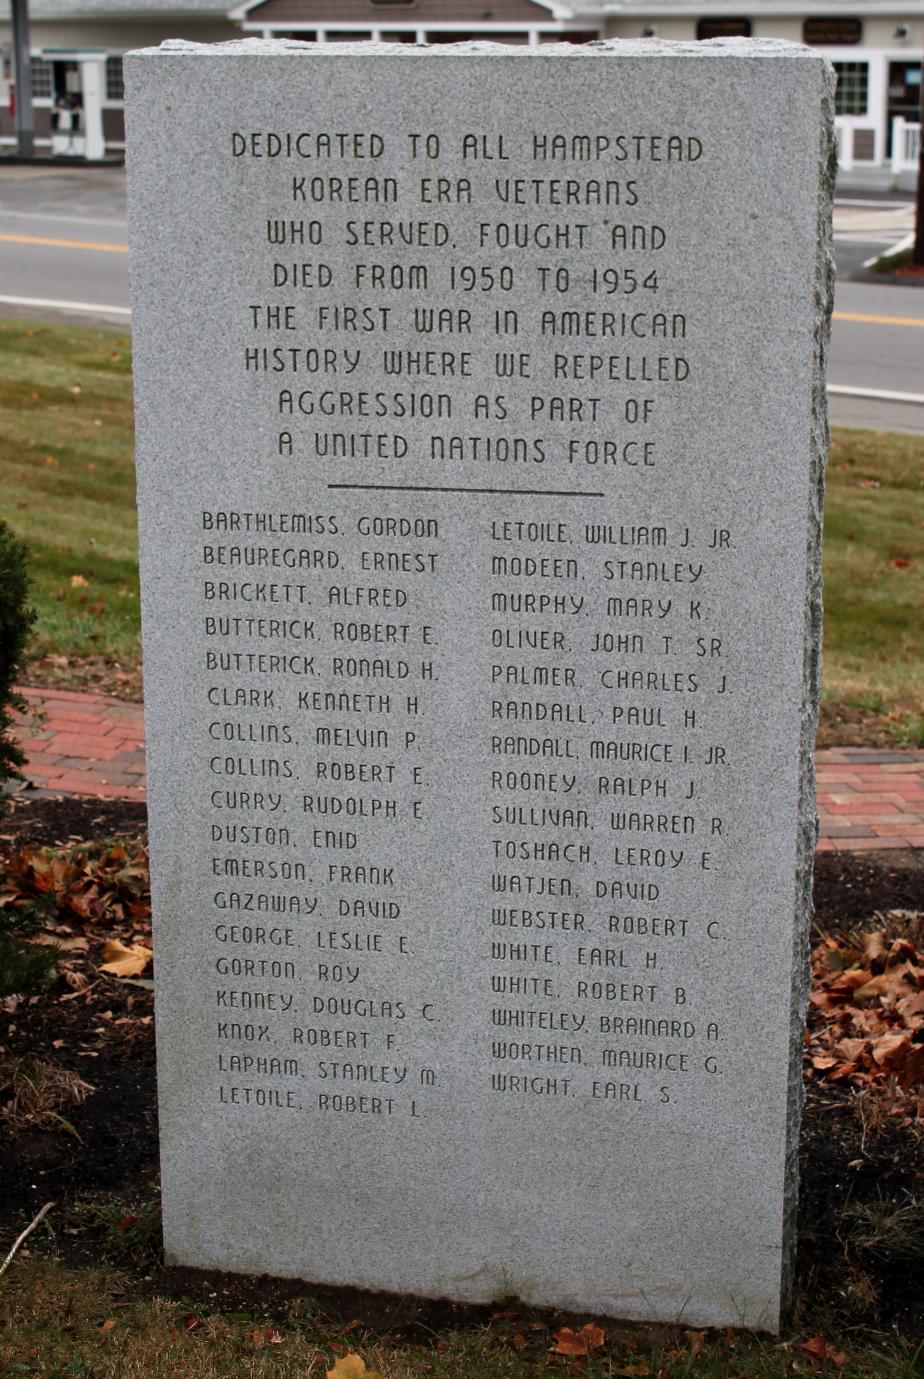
x: 83, y: 744
x: 86, y: 744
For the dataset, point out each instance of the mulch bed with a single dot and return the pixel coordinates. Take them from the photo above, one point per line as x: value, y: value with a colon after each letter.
x: 860, y: 1148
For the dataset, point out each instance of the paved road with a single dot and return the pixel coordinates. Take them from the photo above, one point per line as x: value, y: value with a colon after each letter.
x: 63, y: 256
x: 866, y: 226
x: 44, y: 214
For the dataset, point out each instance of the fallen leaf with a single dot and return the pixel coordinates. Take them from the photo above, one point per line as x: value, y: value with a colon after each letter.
x: 819, y: 1349
x: 874, y: 948
x: 78, y: 582
x: 893, y: 983
x: 125, y: 962
x: 568, y: 1342
x: 890, y: 1050
x: 696, y: 1340
x: 352, y: 1366
x: 106, y: 1327
x: 260, y: 1338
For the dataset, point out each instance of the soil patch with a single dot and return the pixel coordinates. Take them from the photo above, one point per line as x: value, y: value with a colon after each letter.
x: 851, y: 887
x: 32, y: 821
x: 90, y: 674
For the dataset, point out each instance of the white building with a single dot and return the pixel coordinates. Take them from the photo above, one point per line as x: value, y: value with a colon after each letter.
x: 77, y: 48
x: 875, y: 45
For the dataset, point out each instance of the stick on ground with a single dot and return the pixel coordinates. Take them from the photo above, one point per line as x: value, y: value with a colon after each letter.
x: 20, y: 1238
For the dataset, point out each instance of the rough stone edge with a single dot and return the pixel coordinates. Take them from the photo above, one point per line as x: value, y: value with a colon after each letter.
x: 606, y: 47
x: 811, y: 684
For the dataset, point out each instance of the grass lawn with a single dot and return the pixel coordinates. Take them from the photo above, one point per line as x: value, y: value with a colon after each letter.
x: 65, y: 1323
x: 67, y: 480
x: 873, y: 681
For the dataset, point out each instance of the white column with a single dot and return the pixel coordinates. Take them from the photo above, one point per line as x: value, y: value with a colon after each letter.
x: 92, y: 77
x: 878, y: 100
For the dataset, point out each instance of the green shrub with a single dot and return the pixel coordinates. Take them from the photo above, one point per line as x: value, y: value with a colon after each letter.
x: 16, y: 619
x: 22, y: 965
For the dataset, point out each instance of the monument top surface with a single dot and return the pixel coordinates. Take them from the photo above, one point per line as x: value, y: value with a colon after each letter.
x: 602, y: 48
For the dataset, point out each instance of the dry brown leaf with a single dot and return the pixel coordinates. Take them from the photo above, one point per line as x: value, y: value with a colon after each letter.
x: 696, y: 1340
x: 912, y: 1070
x: 894, y: 982
x: 911, y: 1009
x: 568, y: 1342
x: 352, y: 1366
x: 850, y: 1050
x: 260, y: 1338
x: 901, y: 948
x: 874, y: 949
x: 890, y: 1050
x: 77, y: 944
x: 846, y: 982
x: 821, y: 1350
x: 125, y: 962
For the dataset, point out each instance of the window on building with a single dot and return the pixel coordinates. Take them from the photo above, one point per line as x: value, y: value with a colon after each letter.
x: 852, y: 95
x: 824, y: 31
x: 723, y: 28
x: 115, y: 88
x: 42, y: 79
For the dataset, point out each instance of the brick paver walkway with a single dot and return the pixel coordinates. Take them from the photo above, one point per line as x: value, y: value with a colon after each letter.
x: 83, y: 744
x: 869, y: 799
x: 87, y: 744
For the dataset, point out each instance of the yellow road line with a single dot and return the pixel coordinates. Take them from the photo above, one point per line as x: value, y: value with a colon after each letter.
x: 877, y: 320
x: 65, y: 243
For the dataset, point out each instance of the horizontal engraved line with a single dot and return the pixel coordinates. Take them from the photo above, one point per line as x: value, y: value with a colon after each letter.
x: 436, y: 488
